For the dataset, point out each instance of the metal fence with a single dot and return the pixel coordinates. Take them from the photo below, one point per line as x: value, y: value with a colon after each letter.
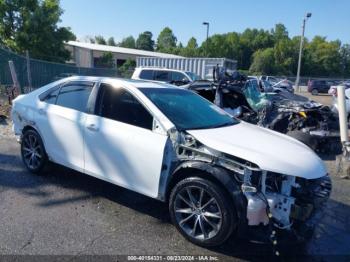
x: 41, y: 72
x: 305, y: 79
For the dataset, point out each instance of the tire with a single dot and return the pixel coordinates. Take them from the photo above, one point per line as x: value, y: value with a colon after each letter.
x: 214, y: 216
x: 33, y: 152
x: 314, y: 92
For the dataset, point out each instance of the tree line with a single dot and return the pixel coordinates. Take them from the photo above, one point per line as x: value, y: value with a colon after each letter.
x: 257, y: 51
x: 33, y: 25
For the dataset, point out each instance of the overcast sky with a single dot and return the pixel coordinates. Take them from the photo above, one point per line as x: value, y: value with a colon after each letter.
x: 121, y: 18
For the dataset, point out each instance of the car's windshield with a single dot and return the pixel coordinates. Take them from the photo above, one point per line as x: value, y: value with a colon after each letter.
x: 255, y: 98
x: 188, y: 110
x: 193, y: 76
x: 266, y: 83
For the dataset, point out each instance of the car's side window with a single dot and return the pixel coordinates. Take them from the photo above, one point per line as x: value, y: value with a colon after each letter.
x: 161, y: 76
x: 146, y: 74
x: 51, y: 97
x: 118, y: 104
x: 177, y: 76
x: 75, y: 96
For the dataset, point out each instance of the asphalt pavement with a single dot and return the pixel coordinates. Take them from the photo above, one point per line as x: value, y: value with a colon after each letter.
x: 72, y: 214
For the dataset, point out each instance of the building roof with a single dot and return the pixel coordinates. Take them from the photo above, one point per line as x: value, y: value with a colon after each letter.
x: 122, y: 50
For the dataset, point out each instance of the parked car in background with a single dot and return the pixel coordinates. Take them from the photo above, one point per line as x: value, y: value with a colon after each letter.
x: 333, y: 92
x: 278, y: 84
x: 219, y: 175
x: 333, y: 89
x: 284, y: 85
x: 164, y: 75
x: 273, y: 80
x: 274, y: 85
x: 316, y: 87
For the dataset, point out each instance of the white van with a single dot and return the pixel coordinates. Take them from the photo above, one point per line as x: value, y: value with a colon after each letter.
x: 164, y: 75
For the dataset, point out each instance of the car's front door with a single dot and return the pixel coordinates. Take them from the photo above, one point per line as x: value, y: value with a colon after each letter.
x: 120, y: 145
x: 61, y: 118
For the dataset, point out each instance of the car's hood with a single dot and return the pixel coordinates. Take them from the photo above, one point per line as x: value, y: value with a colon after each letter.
x: 290, y: 100
x: 268, y: 149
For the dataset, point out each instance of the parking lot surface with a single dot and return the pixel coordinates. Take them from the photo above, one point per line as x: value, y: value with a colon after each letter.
x: 68, y: 213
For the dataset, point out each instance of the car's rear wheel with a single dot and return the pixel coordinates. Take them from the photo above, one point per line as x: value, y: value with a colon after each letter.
x: 314, y: 92
x: 201, y: 211
x: 33, y: 152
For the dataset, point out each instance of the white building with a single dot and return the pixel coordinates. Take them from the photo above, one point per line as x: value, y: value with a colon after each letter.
x: 87, y: 54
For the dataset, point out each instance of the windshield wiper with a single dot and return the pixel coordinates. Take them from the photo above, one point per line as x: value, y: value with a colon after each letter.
x: 210, y: 127
x: 224, y: 124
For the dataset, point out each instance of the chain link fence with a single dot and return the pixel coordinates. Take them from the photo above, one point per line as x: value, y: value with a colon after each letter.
x: 40, y: 72
x: 305, y: 79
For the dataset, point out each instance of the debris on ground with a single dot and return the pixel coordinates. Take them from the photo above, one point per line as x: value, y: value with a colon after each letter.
x: 5, y: 110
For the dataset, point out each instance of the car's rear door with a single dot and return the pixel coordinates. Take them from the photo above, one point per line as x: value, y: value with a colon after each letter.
x: 323, y: 86
x: 61, y: 118
x: 120, y: 144
x: 161, y: 75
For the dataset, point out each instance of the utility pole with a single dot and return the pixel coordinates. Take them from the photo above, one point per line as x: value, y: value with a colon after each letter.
x: 207, y: 44
x: 308, y: 15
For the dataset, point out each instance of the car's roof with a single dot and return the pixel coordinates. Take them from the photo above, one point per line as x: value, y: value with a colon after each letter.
x: 160, y: 68
x: 122, y: 81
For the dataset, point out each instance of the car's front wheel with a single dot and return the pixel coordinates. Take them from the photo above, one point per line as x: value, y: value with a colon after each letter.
x: 33, y: 152
x: 201, y: 211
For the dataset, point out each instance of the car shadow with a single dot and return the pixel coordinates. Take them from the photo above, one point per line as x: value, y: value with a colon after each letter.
x: 331, y: 234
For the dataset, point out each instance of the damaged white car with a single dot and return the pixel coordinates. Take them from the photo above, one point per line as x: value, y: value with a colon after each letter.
x: 220, y: 176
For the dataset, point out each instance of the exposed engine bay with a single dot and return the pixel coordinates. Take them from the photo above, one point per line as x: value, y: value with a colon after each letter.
x: 309, y: 122
x: 270, y: 202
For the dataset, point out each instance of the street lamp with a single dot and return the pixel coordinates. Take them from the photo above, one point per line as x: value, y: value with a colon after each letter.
x: 308, y: 15
x: 207, y: 24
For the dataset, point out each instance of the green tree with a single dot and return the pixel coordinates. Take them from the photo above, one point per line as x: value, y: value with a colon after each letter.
x: 128, y: 42
x: 106, y: 61
x: 345, y: 60
x: 127, y: 68
x: 286, y: 57
x: 166, y: 41
x: 145, y: 42
x: 191, y: 50
x: 323, y: 58
x: 263, y: 62
x: 279, y: 32
x: 33, y: 25
x: 111, y: 41
x: 100, y: 40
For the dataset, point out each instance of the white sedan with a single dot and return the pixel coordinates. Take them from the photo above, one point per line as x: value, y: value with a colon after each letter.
x: 219, y: 175
x: 333, y: 91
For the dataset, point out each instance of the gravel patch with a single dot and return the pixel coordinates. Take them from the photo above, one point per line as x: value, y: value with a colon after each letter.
x: 6, y: 129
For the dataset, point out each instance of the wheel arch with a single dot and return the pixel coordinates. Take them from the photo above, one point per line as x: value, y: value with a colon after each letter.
x: 215, y: 174
x: 34, y: 128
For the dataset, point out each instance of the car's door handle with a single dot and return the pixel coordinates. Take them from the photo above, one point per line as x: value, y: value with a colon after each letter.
x: 92, y: 127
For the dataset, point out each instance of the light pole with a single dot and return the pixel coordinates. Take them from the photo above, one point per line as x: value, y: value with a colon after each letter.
x: 207, y: 24
x: 308, y: 15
